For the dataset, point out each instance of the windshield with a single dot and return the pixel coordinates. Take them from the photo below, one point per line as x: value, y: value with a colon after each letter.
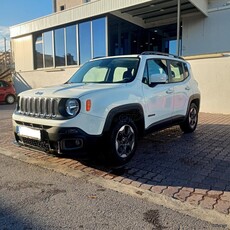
x: 109, y: 70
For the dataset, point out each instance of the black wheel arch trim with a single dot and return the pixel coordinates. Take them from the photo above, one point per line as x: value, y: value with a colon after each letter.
x: 123, y: 109
x: 191, y: 99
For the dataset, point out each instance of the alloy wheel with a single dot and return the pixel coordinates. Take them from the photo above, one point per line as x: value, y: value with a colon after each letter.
x: 125, y: 141
x: 193, y: 117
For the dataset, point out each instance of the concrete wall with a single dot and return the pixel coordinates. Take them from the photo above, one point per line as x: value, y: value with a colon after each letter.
x: 202, y: 35
x: 41, y: 78
x: 213, y: 78
x: 217, y: 3
x: 22, y: 48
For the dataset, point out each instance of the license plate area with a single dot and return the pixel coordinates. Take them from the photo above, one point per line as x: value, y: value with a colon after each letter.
x: 29, y: 132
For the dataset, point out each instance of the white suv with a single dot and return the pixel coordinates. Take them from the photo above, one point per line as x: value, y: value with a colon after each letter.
x: 109, y: 102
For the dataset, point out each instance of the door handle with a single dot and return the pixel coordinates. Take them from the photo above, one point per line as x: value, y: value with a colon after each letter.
x: 187, y: 87
x: 169, y: 91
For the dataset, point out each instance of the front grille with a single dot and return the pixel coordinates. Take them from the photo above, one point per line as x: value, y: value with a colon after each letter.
x: 39, y: 107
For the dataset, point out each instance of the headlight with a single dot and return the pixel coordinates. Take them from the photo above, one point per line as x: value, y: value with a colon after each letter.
x: 72, y: 107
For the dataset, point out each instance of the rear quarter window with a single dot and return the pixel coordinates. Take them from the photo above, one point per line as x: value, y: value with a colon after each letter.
x: 179, y: 71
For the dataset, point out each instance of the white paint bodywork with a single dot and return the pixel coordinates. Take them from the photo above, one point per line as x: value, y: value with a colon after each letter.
x: 158, y: 102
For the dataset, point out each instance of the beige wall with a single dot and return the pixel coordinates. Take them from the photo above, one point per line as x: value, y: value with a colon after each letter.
x: 23, y: 46
x: 214, y: 82
x: 69, y: 3
x: 41, y: 78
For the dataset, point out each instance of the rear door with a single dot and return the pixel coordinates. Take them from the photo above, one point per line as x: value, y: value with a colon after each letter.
x: 180, y: 79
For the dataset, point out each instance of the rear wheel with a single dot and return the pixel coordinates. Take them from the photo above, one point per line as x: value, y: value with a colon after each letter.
x: 189, y: 125
x: 123, y: 141
x: 10, y: 99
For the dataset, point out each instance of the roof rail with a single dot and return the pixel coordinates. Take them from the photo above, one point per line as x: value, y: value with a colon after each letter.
x: 160, y: 53
x: 98, y: 57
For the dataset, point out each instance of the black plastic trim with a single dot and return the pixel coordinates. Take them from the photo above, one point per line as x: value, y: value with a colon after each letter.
x: 53, y: 136
x: 192, y: 98
x: 124, y: 109
x: 169, y: 122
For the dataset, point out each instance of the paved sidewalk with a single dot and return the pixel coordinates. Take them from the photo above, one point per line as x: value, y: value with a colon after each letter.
x: 192, y: 168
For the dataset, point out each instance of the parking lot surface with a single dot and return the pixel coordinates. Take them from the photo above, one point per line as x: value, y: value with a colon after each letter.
x: 192, y: 168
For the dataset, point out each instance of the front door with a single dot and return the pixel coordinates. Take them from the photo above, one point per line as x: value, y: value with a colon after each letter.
x: 158, y: 97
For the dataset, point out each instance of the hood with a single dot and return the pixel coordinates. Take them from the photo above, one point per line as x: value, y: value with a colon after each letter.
x: 73, y: 90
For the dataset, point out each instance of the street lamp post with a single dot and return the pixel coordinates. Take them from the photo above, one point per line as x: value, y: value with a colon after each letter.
x: 5, y: 50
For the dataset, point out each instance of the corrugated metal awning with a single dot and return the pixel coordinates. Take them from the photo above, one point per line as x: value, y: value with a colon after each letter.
x: 161, y: 12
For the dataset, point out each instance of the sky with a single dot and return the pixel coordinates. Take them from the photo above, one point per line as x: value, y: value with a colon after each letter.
x: 13, y: 12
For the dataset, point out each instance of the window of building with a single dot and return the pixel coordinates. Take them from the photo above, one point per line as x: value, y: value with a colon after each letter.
x: 127, y: 38
x: 62, y: 7
x: 59, y: 42
x: 85, y: 41
x: 39, y: 51
x: 48, y: 49
x: 85, y: 1
x: 71, y: 45
x: 173, y: 46
x: 99, y: 37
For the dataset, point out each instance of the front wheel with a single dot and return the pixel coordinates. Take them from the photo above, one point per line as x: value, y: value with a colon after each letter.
x: 190, y: 123
x: 123, y: 141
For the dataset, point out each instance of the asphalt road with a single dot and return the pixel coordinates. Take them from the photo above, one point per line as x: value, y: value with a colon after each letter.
x: 6, y: 110
x: 32, y: 197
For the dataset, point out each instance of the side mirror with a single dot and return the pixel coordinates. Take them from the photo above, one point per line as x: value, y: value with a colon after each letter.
x: 158, y: 78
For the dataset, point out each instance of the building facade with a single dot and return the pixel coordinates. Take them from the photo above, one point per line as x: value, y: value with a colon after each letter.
x: 50, y: 49
x: 60, y: 5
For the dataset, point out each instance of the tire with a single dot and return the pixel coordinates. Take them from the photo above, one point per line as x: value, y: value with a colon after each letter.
x: 123, y: 141
x: 10, y: 99
x: 190, y: 123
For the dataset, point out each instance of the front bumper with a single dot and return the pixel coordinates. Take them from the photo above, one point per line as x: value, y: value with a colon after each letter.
x: 54, y: 139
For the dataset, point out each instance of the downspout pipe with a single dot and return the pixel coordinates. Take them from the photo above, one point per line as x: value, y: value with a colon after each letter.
x: 178, y: 25
x: 54, y: 6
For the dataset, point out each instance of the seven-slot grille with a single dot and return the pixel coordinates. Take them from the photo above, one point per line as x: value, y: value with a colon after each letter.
x: 39, y: 107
